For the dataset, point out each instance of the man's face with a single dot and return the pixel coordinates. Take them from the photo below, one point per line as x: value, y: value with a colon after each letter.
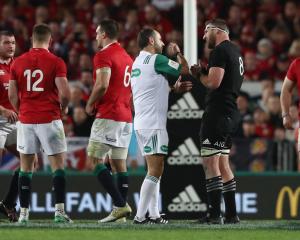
x: 100, y: 35
x: 210, y: 37
x: 158, y: 43
x: 7, y: 46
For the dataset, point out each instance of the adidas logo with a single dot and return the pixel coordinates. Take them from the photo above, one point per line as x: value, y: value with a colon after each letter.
x: 206, y: 141
x: 187, y: 201
x: 186, y: 154
x: 185, y: 108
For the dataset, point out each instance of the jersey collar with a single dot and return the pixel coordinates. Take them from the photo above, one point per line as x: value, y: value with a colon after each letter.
x: 39, y: 49
x: 109, y: 45
x: 7, y: 62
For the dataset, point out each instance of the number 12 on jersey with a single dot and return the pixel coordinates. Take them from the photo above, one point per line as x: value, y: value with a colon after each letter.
x: 37, y: 73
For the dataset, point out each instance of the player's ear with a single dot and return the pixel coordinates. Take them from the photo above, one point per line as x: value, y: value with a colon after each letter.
x: 151, y: 40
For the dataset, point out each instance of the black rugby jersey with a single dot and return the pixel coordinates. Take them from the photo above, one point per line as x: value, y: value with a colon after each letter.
x: 227, y: 56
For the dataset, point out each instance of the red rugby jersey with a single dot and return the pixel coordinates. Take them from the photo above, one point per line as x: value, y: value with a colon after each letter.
x: 294, y: 75
x: 115, y: 104
x: 4, y: 82
x: 35, y: 73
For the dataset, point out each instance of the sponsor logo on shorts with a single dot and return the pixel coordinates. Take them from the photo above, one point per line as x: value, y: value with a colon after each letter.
x: 110, y: 139
x: 164, y: 148
x: 185, y: 108
x: 186, y: 154
x: 206, y: 141
x: 21, y: 147
x: 147, y: 149
x: 187, y: 201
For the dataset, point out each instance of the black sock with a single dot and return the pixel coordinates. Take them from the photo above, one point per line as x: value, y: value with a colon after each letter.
x: 229, y: 189
x: 12, y: 194
x: 214, y: 188
x: 59, y: 186
x: 105, y: 178
x: 25, y: 188
x: 122, y: 181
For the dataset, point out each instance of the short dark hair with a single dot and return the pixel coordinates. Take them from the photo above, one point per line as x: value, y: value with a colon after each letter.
x: 219, y: 23
x: 41, y: 32
x: 143, y: 37
x: 7, y: 33
x: 110, y: 27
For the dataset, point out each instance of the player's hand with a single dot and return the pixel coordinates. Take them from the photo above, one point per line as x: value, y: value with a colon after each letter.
x: 11, y: 116
x: 182, y: 86
x: 172, y: 49
x: 65, y: 111
x: 287, y: 122
x: 196, y: 70
x: 90, y: 110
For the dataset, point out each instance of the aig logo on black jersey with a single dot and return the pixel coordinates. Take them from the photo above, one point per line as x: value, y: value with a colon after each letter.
x: 185, y: 108
x: 187, y: 201
x: 186, y: 154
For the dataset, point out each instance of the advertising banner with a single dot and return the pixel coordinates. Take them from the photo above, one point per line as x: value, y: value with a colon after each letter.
x: 258, y: 197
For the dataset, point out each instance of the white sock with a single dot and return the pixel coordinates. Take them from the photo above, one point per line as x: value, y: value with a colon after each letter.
x: 60, y: 207
x: 24, y: 211
x: 147, y: 190
x: 153, y: 205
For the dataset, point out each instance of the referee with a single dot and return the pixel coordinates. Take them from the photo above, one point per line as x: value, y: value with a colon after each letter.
x: 223, y: 78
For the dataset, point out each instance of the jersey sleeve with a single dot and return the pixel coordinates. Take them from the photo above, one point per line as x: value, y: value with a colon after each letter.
x: 291, y: 73
x: 61, y: 69
x: 217, y: 58
x: 167, y: 66
x: 102, y: 60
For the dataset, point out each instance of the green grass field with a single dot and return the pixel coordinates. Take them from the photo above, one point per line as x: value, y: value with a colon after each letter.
x: 187, y: 230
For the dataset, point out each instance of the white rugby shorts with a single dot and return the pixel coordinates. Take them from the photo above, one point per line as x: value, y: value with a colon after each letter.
x: 48, y: 136
x: 110, y: 139
x: 111, y: 132
x: 8, y: 134
x: 152, y: 141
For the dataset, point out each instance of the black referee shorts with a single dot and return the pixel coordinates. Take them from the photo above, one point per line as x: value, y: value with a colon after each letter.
x: 216, y: 131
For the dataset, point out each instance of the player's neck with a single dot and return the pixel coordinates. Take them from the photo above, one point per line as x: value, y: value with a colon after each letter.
x: 40, y: 45
x: 108, y: 42
x: 149, y: 49
x: 221, y: 39
x: 5, y: 60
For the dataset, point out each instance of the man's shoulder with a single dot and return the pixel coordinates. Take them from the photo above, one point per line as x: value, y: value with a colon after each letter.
x: 296, y: 61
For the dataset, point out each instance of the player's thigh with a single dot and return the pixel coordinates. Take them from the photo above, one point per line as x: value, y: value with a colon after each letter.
x: 27, y: 140
x: 118, y: 158
x: 98, y: 152
x: 152, y: 141
x: 52, y: 137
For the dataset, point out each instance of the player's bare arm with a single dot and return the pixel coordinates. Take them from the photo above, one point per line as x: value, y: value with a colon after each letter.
x: 212, y: 80
x: 285, y: 101
x: 13, y: 94
x: 99, y: 89
x: 64, y: 92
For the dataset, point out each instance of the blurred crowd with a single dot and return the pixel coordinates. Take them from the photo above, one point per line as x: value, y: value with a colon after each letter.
x: 267, y: 32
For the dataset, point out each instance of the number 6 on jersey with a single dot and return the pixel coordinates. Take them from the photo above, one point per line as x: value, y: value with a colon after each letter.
x: 29, y: 75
